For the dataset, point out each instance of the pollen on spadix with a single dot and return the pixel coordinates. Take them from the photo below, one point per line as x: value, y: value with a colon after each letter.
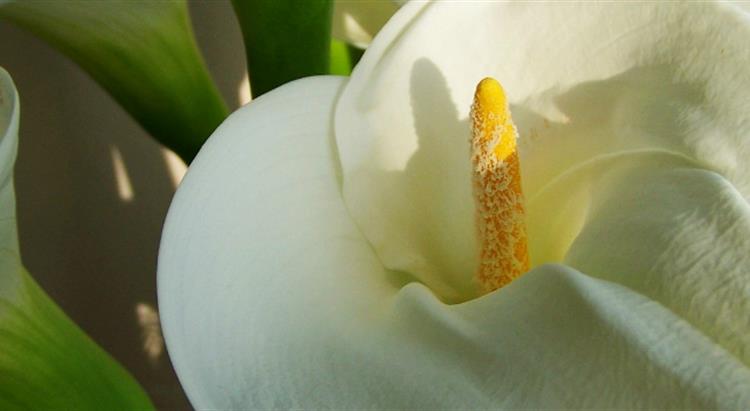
x: 497, y: 189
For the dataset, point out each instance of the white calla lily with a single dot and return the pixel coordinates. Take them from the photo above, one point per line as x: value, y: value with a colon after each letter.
x: 320, y: 252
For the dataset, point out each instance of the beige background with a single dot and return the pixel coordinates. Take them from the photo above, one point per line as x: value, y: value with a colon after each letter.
x: 93, y: 190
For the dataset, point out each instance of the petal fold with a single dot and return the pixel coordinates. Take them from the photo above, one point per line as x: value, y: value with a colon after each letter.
x: 678, y: 235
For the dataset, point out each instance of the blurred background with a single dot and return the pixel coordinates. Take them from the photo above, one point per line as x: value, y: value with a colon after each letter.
x: 93, y: 190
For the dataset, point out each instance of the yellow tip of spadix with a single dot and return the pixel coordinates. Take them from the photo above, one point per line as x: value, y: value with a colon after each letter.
x: 491, y: 116
x: 490, y: 95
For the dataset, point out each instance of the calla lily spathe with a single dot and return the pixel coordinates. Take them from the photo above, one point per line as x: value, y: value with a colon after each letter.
x: 46, y: 361
x: 320, y: 252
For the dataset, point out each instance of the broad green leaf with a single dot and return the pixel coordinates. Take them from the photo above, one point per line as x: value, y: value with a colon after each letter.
x: 143, y: 54
x: 46, y: 361
x: 284, y: 40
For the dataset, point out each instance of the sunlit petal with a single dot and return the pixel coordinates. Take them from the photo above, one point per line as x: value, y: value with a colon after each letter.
x: 623, y: 77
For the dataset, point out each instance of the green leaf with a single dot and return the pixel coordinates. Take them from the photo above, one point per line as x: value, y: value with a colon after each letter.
x: 341, y: 64
x: 46, y: 361
x: 284, y: 40
x: 144, y: 54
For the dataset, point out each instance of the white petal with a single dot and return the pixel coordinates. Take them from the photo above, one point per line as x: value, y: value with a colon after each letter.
x: 744, y: 5
x: 271, y: 298
x: 680, y: 236
x: 556, y: 339
x: 584, y: 80
x: 259, y: 258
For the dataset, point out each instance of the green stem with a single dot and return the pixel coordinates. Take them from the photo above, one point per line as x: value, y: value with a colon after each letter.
x: 284, y: 40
